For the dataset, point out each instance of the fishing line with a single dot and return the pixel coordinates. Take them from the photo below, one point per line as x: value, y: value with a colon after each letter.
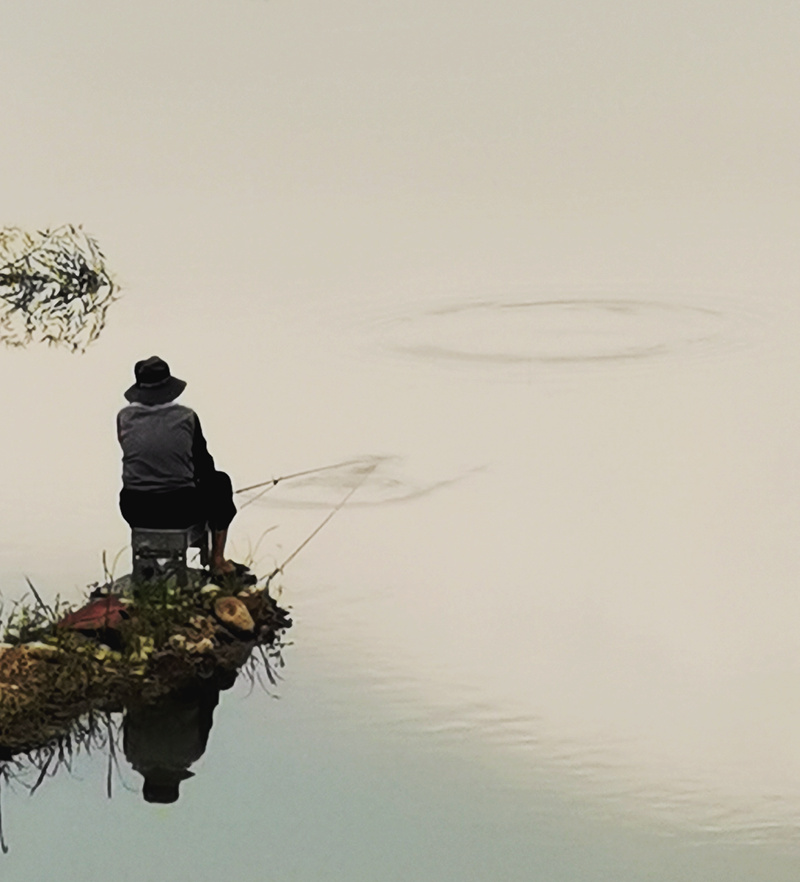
x: 327, y: 518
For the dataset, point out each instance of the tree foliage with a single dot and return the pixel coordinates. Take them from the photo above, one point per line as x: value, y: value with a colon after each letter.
x: 54, y: 287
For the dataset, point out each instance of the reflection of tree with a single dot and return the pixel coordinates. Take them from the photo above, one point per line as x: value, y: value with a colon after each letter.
x: 54, y: 287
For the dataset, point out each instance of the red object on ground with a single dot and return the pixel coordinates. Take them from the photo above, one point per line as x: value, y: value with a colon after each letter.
x: 104, y: 612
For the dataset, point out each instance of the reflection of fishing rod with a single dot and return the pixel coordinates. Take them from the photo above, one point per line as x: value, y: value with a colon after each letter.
x: 268, y: 485
x: 336, y: 508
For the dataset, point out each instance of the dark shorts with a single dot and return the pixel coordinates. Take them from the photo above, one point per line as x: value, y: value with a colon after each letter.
x: 210, y: 503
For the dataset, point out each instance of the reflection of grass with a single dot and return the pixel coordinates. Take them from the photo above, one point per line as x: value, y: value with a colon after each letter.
x: 61, y: 691
x: 50, y: 675
x: 87, y: 735
x: 54, y: 287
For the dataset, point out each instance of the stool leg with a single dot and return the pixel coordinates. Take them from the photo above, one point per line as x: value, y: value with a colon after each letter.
x: 182, y: 576
x: 204, y: 552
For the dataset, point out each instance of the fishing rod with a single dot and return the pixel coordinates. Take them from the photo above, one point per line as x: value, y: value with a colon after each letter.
x: 272, y: 482
x: 338, y: 507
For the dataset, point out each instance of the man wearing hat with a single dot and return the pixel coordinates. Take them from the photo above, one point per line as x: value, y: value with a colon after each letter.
x: 161, y: 740
x: 168, y: 476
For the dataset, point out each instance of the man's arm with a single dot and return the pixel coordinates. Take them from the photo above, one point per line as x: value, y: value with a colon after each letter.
x: 201, y: 458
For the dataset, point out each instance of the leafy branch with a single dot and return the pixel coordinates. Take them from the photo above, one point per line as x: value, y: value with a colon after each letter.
x: 54, y: 287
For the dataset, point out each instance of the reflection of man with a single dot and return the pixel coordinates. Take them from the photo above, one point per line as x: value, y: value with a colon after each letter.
x: 168, y: 476
x: 162, y: 740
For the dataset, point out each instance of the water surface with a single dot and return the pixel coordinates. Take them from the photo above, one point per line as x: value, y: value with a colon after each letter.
x: 541, y: 269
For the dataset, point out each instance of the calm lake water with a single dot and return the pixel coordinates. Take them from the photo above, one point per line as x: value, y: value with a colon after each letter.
x: 540, y: 266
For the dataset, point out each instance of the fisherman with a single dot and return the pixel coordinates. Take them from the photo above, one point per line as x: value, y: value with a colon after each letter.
x: 169, y: 480
x: 163, y: 739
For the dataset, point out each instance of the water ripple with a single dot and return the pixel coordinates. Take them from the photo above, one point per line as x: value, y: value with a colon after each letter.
x: 558, y: 331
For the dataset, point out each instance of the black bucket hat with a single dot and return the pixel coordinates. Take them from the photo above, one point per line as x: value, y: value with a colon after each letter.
x: 154, y: 383
x: 163, y: 785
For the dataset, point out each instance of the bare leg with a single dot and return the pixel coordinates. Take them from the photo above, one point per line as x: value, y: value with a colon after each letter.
x: 218, y: 562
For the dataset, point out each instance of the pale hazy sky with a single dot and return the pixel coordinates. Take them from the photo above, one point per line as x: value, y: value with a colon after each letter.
x: 621, y: 137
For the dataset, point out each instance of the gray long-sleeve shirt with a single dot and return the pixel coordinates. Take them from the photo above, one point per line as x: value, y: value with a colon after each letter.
x: 163, y: 447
